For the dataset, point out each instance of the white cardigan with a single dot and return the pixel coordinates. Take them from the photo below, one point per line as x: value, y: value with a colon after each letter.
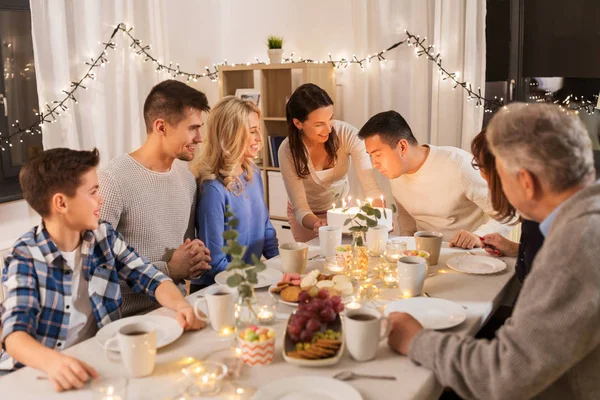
x: 312, y: 195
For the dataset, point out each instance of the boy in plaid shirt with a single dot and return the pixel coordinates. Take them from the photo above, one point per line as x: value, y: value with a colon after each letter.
x: 61, y: 278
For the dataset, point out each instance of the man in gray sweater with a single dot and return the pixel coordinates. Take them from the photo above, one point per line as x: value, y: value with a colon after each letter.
x: 150, y: 194
x: 550, y: 347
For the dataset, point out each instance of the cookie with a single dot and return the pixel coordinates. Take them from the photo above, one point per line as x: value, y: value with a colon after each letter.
x: 279, y: 287
x: 290, y: 294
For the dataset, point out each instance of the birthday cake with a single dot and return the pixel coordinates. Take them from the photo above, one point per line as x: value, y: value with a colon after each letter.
x: 336, y: 217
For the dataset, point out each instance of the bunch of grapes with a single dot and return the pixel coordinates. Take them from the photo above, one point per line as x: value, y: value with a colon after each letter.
x: 312, y: 314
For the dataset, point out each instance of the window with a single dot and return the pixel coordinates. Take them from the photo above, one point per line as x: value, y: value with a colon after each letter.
x: 18, y: 94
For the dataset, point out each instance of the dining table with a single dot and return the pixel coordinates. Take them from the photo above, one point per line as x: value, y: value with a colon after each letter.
x: 478, y: 294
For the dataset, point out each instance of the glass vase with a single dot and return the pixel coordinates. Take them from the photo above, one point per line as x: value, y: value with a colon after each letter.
x: 359, y: 264
x: 246, y: 308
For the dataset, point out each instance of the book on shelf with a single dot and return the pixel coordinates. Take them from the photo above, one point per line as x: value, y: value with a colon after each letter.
x: 274, y: 143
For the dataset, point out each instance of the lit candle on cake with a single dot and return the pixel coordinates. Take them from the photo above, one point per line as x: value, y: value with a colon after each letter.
x: 382, y: 201
x: 370, y: 201
x: 343, y: 203
x: 358, y: 203
x: 333, y: 206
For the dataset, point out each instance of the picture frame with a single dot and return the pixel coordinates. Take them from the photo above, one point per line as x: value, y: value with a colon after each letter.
x: 249, y: 94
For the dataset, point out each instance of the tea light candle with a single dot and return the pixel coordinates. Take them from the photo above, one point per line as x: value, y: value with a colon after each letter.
x: 265, y: 316
x: 110, y: 394
x: 368, y: 291
x: 208, y: 383
x: 353, y: 305
x: 110, y: 388
x: 226, y: 331
x: 390, y: 280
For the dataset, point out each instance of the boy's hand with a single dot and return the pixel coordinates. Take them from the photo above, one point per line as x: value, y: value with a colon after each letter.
x: 187, y: 319
x: 465, y: 240
x: 189, y: 260
x: 67, y: 372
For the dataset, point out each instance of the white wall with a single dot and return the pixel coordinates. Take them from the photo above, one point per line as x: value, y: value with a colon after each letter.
x: 16, y: 217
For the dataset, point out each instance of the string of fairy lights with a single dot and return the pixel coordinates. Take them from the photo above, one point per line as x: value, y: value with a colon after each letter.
x: 58, y: 108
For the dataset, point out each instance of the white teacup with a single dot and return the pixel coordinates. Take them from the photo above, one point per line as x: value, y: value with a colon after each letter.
x: 363, y: 332
x: 220, y: 303
x: 137, y: 344
x: 376, y: 240
x: 293, y: 257
x: 330, y: 237
x: 412, y: 272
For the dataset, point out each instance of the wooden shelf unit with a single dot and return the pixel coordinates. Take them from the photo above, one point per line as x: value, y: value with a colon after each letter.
x: 276, y: 83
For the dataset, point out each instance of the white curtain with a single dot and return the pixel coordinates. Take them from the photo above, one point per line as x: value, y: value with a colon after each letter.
x: 197, y: 33
x: 68, y: 33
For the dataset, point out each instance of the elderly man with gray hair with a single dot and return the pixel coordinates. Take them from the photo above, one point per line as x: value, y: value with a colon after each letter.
x: 550, y: 347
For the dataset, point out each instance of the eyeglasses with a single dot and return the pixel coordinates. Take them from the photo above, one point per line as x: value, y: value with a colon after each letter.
x: 475, y: 165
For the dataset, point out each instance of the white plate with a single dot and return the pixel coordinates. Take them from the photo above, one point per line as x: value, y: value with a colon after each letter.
x: 307, y: 387
x: 167, y: 329
x: 430, y: 312
x: 266, y: 278
x: 480, y: 265
x: 278, y: 297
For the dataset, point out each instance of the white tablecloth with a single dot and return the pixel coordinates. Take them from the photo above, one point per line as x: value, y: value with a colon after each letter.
x: 480, y: 294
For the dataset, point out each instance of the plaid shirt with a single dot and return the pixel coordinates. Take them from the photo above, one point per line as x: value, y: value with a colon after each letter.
x: 38, y: 282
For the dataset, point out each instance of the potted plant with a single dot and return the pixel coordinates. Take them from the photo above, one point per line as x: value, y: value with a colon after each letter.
x: 275, y: 45
x: 244, y: 275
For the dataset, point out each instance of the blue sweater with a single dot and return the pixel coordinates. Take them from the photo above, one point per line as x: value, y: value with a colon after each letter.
x: 255, y: 228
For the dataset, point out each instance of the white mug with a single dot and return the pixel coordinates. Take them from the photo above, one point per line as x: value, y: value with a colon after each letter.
x: 330, y: 237
x: 412, y: 272
x: 363, y: 332
x: 220, y: 303
x: 137, y: 344
x: 293, y: 257
x: 376, y: 240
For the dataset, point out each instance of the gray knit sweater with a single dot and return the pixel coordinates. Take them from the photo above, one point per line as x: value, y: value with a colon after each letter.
x: 152, y: 210
x: 550, y: 347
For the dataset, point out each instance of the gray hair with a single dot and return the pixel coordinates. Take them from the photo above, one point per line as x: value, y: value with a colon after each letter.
x: 546, y: 140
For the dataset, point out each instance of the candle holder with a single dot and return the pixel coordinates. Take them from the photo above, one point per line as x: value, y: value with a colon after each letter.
x: 335, y: 265
x: 390, y: 279
x: 206, y: 378
x: 266, y: 311
x: 368, y: 291
x: 110, y: 388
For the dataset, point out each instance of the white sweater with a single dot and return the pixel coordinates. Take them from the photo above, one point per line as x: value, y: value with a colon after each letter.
x: 154, y: 211
x: 445, y: 195
x: 316, y: 193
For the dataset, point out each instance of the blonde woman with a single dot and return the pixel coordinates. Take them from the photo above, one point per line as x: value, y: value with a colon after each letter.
x: 227, y: 176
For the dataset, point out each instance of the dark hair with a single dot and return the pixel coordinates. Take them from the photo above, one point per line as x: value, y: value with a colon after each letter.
x: 390, y: 126
x: 54, y: 171
x: 484, y: 159
x: 170, y: 100
x: 302, y: 102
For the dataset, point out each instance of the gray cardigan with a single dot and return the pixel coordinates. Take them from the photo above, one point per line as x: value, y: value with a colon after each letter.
x: 550, y: 347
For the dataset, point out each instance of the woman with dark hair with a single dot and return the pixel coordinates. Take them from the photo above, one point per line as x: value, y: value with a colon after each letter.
x: 496, y: 244
x: 315, y: 159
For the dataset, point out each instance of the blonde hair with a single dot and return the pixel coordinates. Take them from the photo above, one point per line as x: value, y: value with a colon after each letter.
x: 226, y: 141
